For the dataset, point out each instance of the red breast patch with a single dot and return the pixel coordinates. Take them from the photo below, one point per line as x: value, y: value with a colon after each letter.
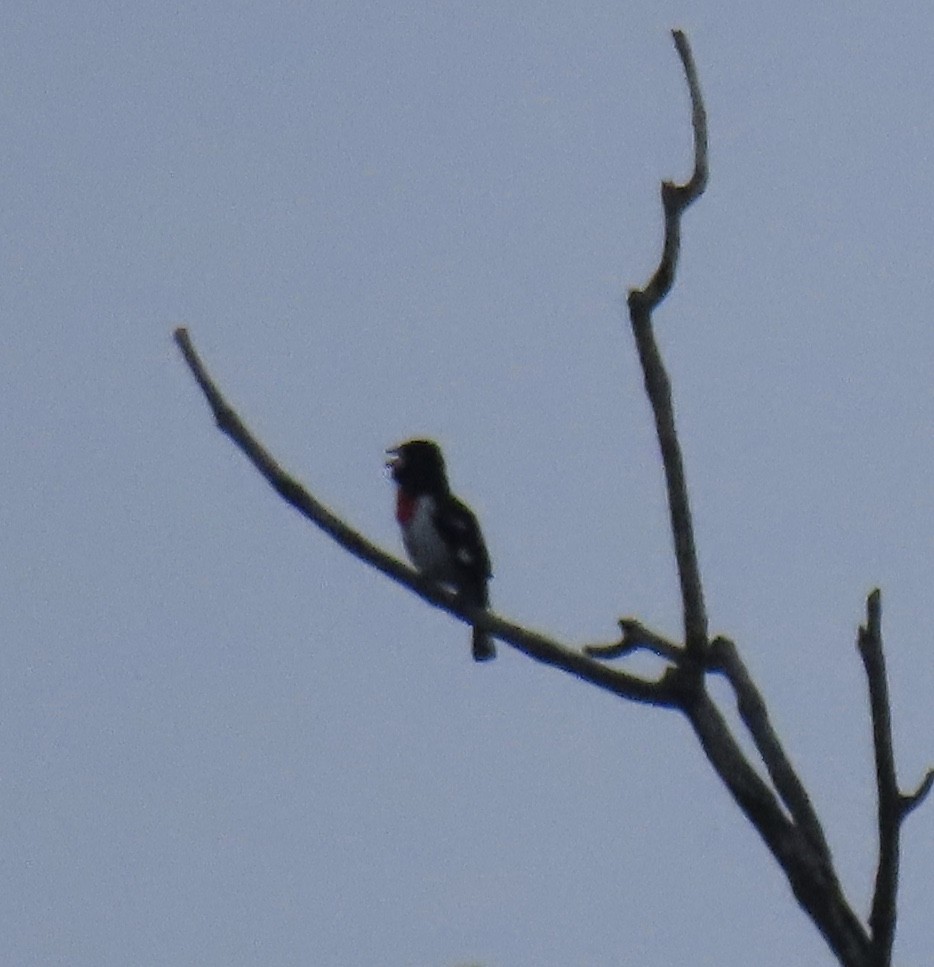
x: 405, y: 506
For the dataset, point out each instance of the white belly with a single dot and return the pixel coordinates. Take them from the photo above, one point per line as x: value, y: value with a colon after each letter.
x: 425, y: 548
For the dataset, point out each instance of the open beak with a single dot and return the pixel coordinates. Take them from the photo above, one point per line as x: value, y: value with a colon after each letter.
x: 393, y: 460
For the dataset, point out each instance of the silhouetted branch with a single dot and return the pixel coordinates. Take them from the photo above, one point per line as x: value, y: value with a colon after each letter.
x: 914, y: 799
x: 675, y: 199
x: 893, y: 806
x: 798, y: 844
x: 636, y: 637
x: 883, y: 915
x: 782, y: 812
x: 531, y: 643
x: 725, y: 658
x: 810, y: 877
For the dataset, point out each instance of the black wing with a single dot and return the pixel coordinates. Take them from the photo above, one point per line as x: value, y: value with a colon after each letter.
x: 459, y: 529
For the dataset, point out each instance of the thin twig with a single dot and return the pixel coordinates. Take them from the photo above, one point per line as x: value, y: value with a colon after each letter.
x: 636, y: 637
x: 911, y: 800
x: 695, y: 187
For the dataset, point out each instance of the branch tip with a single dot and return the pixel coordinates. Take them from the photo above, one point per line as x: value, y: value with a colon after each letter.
x: 636, y: 637
x: 914, y: 799
x: 874, y: 613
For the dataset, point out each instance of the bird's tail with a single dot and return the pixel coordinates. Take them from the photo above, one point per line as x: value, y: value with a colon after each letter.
x: 483, y: 647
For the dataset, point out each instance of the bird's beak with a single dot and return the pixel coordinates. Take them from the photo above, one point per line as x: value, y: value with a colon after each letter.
x: 393, y: 459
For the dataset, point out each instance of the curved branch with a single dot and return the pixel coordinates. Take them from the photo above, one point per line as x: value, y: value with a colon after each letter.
x: 533, y: 644
x: 911, y: 800
x: 675, y: 199
x: 636, y: 637
x: 695, y: 187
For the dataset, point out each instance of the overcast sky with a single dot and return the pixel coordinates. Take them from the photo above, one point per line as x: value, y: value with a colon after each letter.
x: 223, y: 741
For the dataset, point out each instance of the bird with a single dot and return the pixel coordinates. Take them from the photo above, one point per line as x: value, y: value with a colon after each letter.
x: 440, y: 532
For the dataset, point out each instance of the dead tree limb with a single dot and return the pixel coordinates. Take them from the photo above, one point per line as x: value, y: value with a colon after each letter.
x: 779, y: 809
x: 642, y: 302
x: 672, y: 689
x: 725, y: 658
x: 893, y: 806
x: 798, y: 845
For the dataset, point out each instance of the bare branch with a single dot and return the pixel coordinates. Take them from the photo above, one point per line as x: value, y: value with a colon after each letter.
x: 783, y: 816
x: 914, y: 799
x: 675, y: 199
x: 636, y: 637
x: 799, y: 846
x: 695, y: 187
x: 724, y: 657
x: 810, y: 876
x: 883, y: 915
x: 535, y: 645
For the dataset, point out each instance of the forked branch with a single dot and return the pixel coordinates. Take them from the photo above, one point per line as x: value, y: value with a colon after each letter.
x: 893, y: 806
x: 911, y: 800
x: 725, y: 658
x: 781, y: 812
x: 636, y: 637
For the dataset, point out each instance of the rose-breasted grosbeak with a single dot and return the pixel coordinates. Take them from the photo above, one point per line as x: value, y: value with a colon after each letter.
x: 440, y: 533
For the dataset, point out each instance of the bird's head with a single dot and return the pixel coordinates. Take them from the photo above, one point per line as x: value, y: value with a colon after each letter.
x: 417, y: 466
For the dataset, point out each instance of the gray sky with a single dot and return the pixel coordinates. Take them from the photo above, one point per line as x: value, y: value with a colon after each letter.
x: 225, y: 742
